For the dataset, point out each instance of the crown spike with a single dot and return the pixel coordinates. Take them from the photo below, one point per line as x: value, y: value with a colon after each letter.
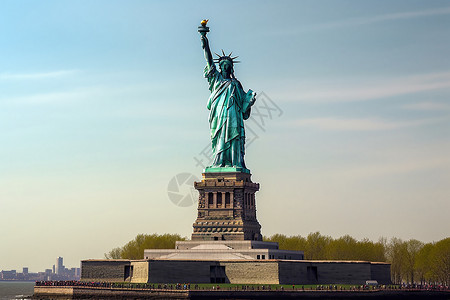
x: 225, y: 57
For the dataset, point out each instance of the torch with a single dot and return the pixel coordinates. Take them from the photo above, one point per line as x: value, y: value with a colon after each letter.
x: 203, y: 29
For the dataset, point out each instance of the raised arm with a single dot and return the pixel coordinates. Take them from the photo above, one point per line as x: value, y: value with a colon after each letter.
x: 205, y: 46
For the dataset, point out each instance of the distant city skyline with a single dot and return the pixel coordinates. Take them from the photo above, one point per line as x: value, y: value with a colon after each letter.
x: 103, y: 103
x: 57, y: 272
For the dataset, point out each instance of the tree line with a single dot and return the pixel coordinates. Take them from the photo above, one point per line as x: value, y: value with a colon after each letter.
x: 134, y: 249
x: 412, y: 261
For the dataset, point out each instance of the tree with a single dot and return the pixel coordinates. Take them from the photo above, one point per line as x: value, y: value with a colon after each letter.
x: 134, y: 249
x: 395, y: 253
x: 296, y: 242
x: 440, y: 261
x: 423, y: 264
x: 114, y: 253
x: 317, y: 245
x: 343, y: 248
x: 367, y: 250
x: 412, y: 248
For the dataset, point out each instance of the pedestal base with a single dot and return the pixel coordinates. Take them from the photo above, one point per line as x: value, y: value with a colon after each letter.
x: 226, y: 207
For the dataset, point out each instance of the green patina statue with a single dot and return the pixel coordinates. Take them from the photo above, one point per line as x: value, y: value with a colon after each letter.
x: 229, y: 106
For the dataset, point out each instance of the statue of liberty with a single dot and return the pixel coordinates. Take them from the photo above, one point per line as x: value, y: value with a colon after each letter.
x: 229, y: 106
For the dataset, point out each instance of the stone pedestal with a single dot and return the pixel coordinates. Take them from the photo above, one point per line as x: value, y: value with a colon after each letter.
x: 226, y: 207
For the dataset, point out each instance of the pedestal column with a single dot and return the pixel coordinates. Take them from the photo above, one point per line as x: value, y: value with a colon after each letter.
x: 236, y: 221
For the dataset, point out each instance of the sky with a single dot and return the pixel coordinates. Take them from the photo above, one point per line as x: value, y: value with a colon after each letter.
x: 103, y: 106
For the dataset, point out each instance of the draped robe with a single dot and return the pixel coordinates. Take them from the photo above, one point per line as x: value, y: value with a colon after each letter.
x: 229, y: 106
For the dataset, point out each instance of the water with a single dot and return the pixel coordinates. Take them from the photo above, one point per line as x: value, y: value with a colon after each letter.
x: 16, y: 290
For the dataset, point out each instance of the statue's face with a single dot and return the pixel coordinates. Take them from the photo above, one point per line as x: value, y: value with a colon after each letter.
x: 226, y: 68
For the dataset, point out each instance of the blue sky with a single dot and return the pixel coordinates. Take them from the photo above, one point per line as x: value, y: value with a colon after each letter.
x: 103, y: 102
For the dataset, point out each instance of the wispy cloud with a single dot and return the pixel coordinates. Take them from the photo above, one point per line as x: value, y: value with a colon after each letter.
x: 48, y: 98
x: 386, y: 17
x: 396, y: 155
x: 36, y: 76
x: 359, y: 21
x: 428, y: 106
x: 367, y: 124
x: 356, y: 89
x: 396, y: 167
x: 127, y: 100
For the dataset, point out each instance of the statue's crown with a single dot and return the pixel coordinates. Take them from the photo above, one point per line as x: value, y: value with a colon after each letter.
x: 226, y: 57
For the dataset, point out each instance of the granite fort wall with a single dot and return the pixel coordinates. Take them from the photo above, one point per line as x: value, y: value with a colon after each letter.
x: 292, y: 273
x: 238, y: 271
x: 104, y: 270
x: 251, y: 272
x: 242, y: 272
x: 326, y: 272
x: 172, y: 271
x: 140, y: 271
x: 381, y: 272
x: 342, y: 272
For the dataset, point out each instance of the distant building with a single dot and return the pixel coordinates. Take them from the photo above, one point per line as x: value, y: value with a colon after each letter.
x: 57, y: 272
x: 8, y: 275
x: 59, y: 266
